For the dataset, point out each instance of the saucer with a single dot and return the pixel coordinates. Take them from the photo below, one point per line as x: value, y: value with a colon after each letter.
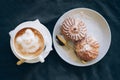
x: 44, y: 31
x: 96, y: 25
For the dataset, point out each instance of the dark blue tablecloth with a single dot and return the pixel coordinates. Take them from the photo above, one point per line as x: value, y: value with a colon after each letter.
x: 13, y: 12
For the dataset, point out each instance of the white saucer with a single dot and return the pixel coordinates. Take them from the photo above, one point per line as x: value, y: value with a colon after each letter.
x: 96, y: 25
x: 44, y: 31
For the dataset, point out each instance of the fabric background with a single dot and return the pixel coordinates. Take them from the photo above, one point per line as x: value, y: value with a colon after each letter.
x: 14, y: 12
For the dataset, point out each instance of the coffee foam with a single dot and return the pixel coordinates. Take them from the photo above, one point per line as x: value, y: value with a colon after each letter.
x: 28, y: 41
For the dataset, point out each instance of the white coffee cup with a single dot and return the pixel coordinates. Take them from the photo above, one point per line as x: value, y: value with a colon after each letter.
x: 47, y: 41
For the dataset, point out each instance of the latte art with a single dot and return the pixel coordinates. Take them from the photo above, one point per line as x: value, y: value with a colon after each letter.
x: 29, y: 42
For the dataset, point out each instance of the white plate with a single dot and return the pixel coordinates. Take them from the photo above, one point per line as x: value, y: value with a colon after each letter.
x: 96, y: 25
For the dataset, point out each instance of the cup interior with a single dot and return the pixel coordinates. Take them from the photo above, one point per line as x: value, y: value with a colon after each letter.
x: 14, y: 48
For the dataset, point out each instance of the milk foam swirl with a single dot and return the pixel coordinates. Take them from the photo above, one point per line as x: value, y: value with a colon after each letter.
x: 28, y: 41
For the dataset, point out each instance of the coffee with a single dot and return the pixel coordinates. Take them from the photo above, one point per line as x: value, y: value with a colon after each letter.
x: 29, y: 42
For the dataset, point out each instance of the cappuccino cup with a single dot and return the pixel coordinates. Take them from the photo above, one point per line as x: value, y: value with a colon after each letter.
x: 31, y: 42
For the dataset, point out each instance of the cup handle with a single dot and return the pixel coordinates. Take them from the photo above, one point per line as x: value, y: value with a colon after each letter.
x: 41, y: 59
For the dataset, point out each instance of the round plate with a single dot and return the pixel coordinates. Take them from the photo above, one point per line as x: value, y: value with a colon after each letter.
x: 96, y: 25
